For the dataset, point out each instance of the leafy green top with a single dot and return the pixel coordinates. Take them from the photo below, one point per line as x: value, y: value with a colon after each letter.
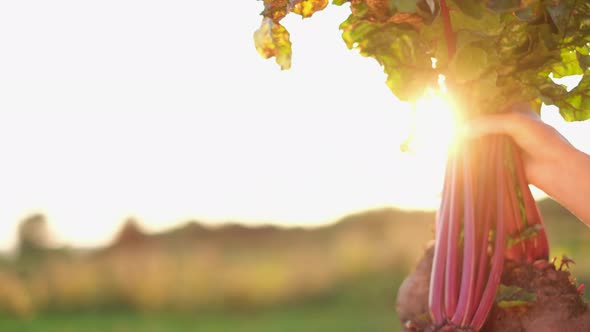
x: 493, y: 53
x: 272, y: 39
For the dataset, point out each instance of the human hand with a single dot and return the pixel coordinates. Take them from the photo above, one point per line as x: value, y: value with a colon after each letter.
x: 543, y: 149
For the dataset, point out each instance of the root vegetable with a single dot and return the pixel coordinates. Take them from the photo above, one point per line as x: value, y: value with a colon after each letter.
x: 557, y: 306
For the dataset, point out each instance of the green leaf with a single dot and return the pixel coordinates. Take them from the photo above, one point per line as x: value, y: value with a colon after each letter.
x: 503, y: 5
x: 306, y: 8
x: 569, y: 65
x: 339, y: 2
x: 473, y: 8
x: 506, y: 49
x: 405, y: 6
x: 560, y: 15
x: 527, y: 233
x: 526, y: 14
x: 511, y: 304
x: 583, y: 60
x: 469, y: 63
x: 272, y: 40
x: 515, y: 40
x: 513, y: 296
x: 576, y: 104
x: 359, y: 9
x: 485, y: 22
x: 408, y: 84
x: 355, y: 30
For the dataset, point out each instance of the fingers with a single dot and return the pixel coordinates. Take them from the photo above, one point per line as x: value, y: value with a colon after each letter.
x: 506, y: 123
x: 525, y: 128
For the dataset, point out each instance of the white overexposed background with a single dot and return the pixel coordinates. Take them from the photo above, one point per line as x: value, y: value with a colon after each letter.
x: 164, y: 111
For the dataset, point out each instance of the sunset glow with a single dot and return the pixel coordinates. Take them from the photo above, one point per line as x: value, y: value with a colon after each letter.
x: 435, y: 122
x: 138, y: 119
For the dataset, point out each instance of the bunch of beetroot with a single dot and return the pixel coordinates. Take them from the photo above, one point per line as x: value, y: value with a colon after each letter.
x: 487, y: 215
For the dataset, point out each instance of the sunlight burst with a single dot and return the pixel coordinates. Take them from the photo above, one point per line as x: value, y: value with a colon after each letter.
x: 435, y: 122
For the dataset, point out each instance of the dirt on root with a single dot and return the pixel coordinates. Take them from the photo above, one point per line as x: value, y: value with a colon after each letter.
x: 557, y: 306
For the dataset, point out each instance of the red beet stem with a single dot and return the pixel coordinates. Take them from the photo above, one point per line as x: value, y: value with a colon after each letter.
x: 450, y: 38
x: 488, y: 296
x: 518, y: 249
x: 486, y: 215
x: 466, y: 296
x: 451, y: 282
x: 436, y: 295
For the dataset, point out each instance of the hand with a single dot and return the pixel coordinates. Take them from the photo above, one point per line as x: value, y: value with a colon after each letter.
x: 542, y: 147
x: 551, y: 163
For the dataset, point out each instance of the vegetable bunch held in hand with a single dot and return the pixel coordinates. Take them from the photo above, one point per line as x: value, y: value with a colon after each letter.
x: 487, y: 215
x: 492, y: 54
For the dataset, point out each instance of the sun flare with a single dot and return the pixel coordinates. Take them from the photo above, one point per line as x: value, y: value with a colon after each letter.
x: 435, y: 123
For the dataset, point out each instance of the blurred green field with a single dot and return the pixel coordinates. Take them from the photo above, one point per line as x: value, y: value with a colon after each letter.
x: 339, y: 278
x: 310, y: 318
x: 365, y: 305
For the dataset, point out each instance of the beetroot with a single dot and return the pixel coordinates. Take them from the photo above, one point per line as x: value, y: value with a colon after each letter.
x: 556, y: 304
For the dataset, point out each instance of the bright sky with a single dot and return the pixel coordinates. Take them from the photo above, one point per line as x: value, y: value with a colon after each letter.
x: 164, y: 111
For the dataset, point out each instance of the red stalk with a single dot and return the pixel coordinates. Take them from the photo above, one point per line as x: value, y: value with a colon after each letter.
x: 436, y: 295
x: 488, y: 296
x: 454, y: 225
x: 480, y: 194
x: 448, y: 28
x: 466, y: 297
x: 486, y: 216
x: 516, y: 251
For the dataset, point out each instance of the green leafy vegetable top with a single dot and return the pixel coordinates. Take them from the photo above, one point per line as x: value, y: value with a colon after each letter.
x: 493, y: 53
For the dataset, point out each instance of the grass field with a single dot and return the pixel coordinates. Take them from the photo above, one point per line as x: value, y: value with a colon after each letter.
x: 366, y: 305
x: 311, y: 319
